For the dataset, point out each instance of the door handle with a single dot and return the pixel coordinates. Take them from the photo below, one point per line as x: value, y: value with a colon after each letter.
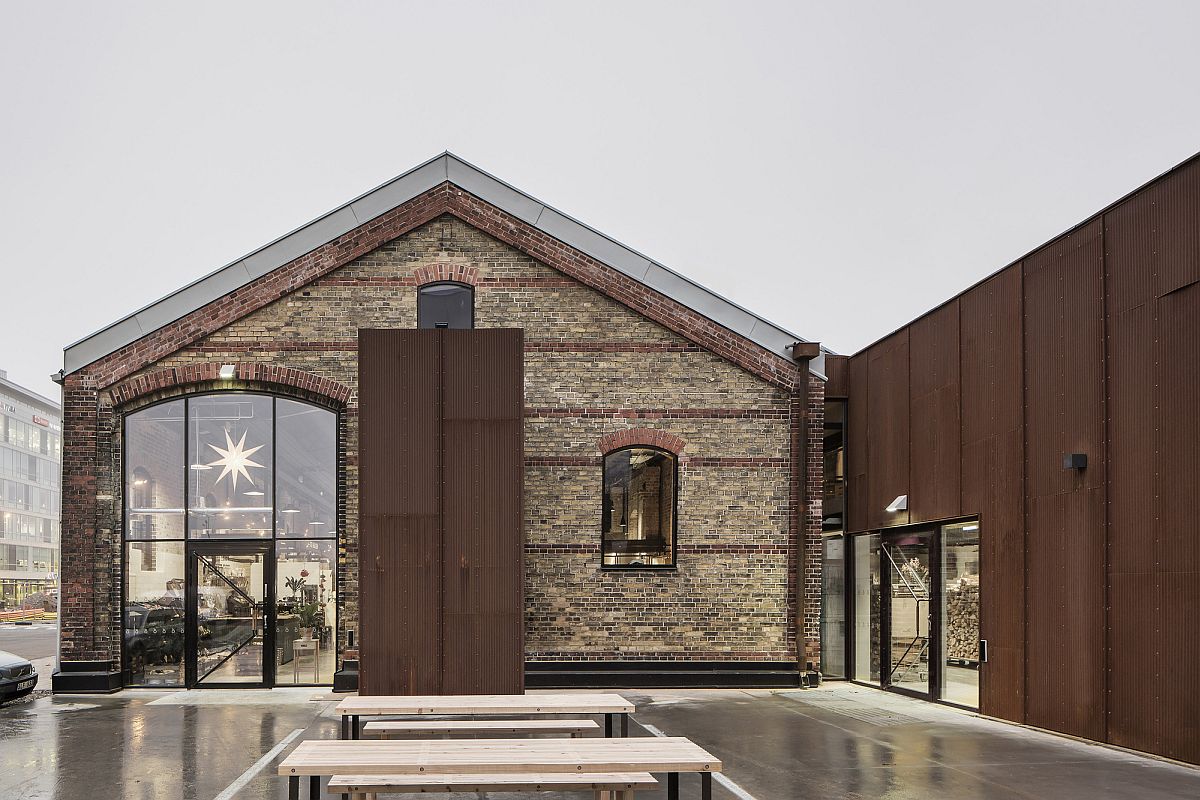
x: 983, y: 651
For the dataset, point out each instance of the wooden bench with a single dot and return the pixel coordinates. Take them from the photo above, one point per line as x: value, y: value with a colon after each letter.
x: 607, y: 786
x: 611, y: 706
x: 575, y: 727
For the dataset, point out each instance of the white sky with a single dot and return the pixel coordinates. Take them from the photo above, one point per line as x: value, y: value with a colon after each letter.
x: 838, y: 168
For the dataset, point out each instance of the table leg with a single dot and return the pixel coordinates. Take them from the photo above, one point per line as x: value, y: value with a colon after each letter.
x: 705, y: 786
x: 608, y: 726
x: 672, y: 786
x: 314, y: 787
x: 354, y: 732
x: 625, y: 726
x: 293, y: 787
x: 344, y: 733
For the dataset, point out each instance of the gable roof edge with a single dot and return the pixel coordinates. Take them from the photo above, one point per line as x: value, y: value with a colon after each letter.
x: 361, y: 210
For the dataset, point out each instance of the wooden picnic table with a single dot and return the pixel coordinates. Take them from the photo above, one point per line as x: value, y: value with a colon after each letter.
x: 353, y: 708
x: 671, y: 755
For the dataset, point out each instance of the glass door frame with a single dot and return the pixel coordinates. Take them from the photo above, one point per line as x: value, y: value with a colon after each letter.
x: 934, y: 527
x: 193, y: 550
x: 934, y: 646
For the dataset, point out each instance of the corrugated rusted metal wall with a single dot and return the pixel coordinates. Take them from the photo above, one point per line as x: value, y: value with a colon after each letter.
x: 1091, y: 578
x: 934, y: 391
x: 887, y: 430
x: 1152, y: 269
x: 993, y: 441
x: 1064, y: 509
x: 440, y: 492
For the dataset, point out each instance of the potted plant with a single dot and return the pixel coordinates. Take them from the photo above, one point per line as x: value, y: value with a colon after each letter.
x: 308, y: 614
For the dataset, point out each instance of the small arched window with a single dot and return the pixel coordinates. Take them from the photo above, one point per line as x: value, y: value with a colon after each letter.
x: 445, y: 305
x: 638, y: 514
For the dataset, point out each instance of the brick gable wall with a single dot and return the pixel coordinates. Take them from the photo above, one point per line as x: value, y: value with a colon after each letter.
x: 593, y: 368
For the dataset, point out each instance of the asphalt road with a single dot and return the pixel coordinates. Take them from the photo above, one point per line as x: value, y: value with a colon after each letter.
x: 35, y: 641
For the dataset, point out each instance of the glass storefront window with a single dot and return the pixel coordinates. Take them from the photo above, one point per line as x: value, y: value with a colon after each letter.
x: 154, y: 615
x: 867, y: 595
x: 305, y: 597
x: 638, y: 508
x: 959, y: 678
x: 211, y: 460
x: 833, y: 609
x: 154, y: 471
x: 230, y: 487
x: 306, y: 447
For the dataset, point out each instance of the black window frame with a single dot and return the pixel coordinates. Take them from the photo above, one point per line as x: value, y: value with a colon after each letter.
x: 673, y: 458
x: 269, y: 544
x: 457, y: 284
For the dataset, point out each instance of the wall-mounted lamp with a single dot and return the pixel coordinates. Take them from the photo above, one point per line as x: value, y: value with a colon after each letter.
x: 899, y: 504
x: 226, y: 371
x: 1075, y: 461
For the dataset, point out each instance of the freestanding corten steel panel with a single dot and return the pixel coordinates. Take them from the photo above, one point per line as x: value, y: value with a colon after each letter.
x: 400, y: 501
x: 441, y: 578
x: 483, y: 408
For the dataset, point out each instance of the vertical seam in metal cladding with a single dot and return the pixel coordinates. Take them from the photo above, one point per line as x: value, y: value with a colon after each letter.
x: 441, y: 467
x: 1024, y: 499
x: 1107, y: 444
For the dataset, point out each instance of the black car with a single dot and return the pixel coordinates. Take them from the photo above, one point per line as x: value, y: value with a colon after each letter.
x: 17, y: 677
x: 153, y: 635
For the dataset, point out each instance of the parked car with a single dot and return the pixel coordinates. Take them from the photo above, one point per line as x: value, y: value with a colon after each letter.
x: 153, y: 635
x: 17, y: 676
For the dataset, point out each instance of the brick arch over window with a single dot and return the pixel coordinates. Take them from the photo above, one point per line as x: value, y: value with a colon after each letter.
x: 441, y: 273
x: 633, y: 437
x: 164, y: 380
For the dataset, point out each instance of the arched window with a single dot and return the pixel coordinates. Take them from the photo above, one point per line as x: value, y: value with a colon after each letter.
x: 446, y: 305
x: 225, y: 494
x: 638, y: 514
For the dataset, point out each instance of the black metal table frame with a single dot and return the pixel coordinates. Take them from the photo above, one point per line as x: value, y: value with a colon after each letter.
x: 314, y: 786
x: 352, y: 729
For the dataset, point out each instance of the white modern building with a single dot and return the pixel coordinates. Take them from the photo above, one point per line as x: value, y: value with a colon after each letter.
x: 30, y: 470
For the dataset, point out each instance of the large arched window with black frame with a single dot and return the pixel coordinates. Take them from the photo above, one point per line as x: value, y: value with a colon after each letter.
x: 231, y: 517
x: 638, y: 515
x: 446, y: 305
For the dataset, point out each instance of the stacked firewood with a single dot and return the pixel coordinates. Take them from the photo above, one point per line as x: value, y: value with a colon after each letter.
x: 962, y: 619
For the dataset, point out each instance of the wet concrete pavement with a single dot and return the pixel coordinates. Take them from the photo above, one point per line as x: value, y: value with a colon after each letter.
x: 836, y: 742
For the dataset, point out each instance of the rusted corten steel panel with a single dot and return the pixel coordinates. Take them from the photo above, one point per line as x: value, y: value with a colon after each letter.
x: 400, y: 501
x: 992, y: 479
x: 1152, y: 243
x: 856, y: 444
x: 887, y: 430
x: 1065, y: 509
x: 936, y: 448
x: 484, y: 618
x: 1177, y: 542
x: 441, y: 469
x: 837, y: 373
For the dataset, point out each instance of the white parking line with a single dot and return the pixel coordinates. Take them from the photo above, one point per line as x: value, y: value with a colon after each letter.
x: 232, y: 789
x: 737, y: 791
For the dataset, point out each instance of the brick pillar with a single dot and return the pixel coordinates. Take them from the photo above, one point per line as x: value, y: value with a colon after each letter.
x: 90, y: 653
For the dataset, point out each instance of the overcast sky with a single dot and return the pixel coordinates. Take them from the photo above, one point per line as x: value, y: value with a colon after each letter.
x: 838, y: 168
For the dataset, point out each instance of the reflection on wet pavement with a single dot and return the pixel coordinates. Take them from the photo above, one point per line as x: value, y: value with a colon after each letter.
x: 836, y: 742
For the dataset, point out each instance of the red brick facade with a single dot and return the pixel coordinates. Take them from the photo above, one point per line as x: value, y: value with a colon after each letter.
x: 96, y: 397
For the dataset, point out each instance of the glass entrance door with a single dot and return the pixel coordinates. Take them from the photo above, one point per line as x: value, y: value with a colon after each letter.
x: 908, y: 611
x: 227, y: 632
